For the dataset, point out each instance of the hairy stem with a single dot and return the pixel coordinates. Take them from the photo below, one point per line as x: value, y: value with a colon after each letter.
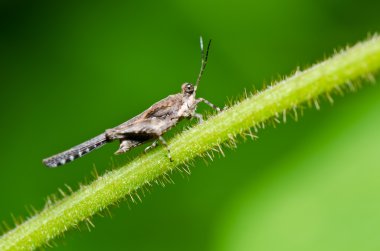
x: 360, y: 61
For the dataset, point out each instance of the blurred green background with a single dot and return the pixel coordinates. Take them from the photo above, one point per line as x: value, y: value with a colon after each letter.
x: 70, y: 69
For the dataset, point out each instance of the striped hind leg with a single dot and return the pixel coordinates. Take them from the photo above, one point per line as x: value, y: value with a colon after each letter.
x: 126, y: 145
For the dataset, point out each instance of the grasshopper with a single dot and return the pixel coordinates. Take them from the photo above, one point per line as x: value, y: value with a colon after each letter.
x: 150, y: 125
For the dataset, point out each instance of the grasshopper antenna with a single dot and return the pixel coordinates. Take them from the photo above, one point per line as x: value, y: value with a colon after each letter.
x: 204, y: 60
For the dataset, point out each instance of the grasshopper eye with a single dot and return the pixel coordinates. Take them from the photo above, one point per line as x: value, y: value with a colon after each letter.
x: 187, y: 88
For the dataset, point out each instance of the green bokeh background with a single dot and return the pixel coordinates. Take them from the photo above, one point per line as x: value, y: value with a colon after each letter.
x: 69, y: 70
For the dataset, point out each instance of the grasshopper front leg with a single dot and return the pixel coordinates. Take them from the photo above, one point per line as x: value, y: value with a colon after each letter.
x: 199, y: 117
x: 209, y: 104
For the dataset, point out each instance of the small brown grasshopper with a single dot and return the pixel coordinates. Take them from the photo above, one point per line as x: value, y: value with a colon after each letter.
x: 147, y: 126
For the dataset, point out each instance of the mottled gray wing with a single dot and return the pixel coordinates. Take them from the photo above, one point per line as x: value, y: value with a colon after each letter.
x: 149, y: 128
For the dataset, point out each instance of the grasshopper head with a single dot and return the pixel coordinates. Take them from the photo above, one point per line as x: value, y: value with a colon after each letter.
x: 188, y: 89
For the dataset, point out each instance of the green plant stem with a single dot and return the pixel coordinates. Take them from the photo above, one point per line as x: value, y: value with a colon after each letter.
x: 360, y: 61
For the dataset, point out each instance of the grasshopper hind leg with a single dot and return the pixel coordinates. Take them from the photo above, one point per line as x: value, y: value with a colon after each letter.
x: 126, y: 145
